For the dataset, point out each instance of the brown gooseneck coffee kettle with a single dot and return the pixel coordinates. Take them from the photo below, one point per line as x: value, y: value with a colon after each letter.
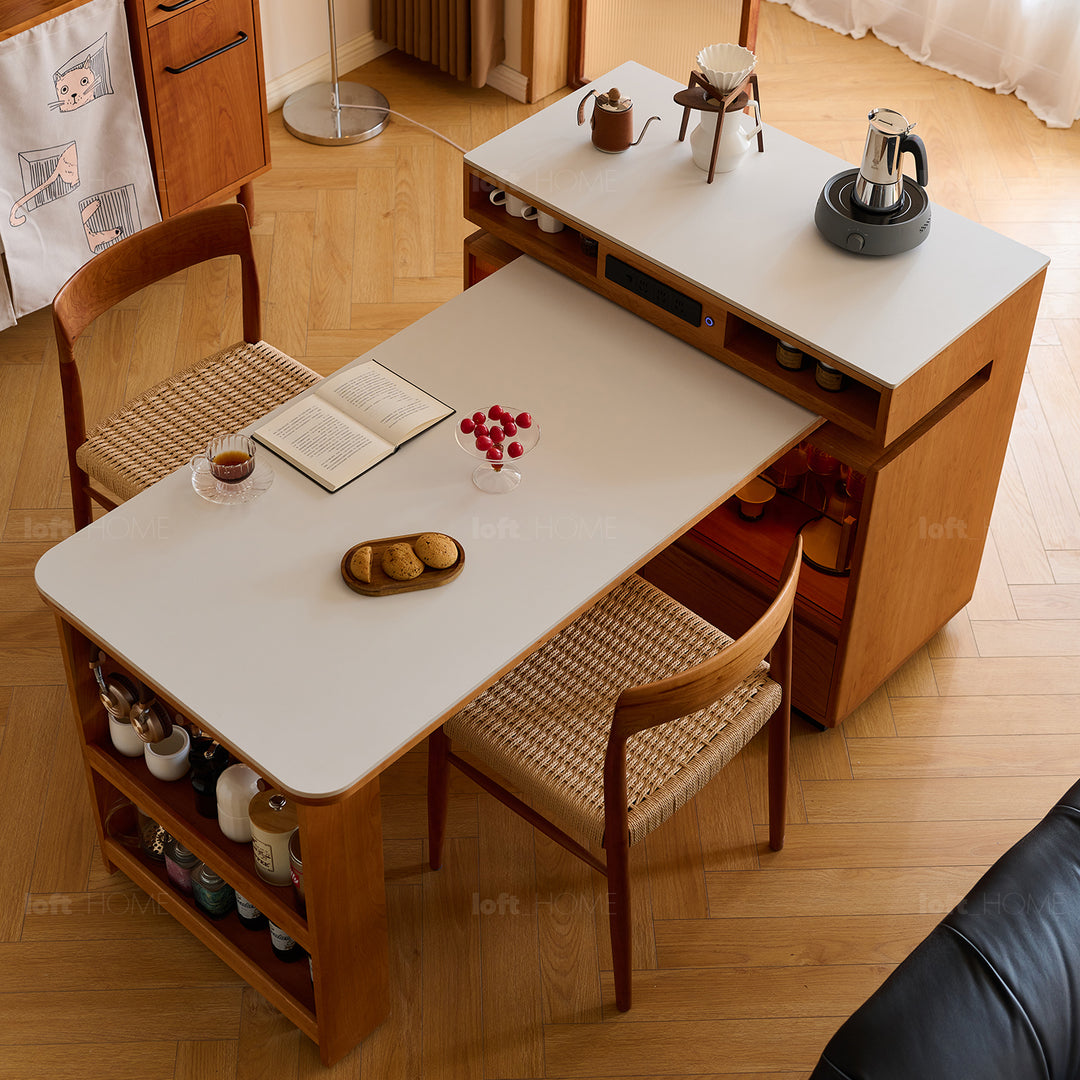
x: 612, y: 121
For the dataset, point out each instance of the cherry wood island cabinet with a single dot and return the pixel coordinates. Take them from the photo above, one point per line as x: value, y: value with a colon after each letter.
x: 931, y: 345
x: 199, y: 72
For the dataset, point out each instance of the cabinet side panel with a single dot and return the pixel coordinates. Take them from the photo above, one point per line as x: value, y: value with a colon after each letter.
x: 922, y: 542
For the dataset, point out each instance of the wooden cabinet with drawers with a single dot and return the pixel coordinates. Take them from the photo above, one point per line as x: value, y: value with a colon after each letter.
x: 199, y: 67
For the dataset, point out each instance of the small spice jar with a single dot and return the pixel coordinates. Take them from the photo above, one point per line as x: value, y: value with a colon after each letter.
x: 273, y: 821
x: 180, y: 864
x: 213, y: 894
x: 789, y: 356
x: 828, y: 377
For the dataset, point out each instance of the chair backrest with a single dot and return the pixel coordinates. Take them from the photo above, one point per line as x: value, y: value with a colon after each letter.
x: 150, y: 255
x: 645, y: 706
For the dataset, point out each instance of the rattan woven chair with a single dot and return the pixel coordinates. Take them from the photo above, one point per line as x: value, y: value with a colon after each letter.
x: 617, y: 721
x: 164, y: 427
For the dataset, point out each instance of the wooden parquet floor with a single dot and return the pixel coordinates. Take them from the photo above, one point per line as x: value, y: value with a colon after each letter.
x: 747, y: 960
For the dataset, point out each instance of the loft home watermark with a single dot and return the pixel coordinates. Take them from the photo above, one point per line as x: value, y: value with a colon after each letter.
x: 564, y: 903
x: 561, y: 527
x: 952, y: 528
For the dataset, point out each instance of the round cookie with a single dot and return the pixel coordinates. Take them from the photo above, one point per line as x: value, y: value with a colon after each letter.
x: 400, y: 562
x: 436, y: 550
x: 360, y: 563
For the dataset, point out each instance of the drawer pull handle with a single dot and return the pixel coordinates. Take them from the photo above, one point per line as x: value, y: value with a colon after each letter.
x: 175, y: 7
x: 241, y: 37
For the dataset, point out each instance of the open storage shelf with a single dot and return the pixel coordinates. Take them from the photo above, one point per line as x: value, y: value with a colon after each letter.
x: 173, y: 807
x: 287, y: 986
x: 343, y: 994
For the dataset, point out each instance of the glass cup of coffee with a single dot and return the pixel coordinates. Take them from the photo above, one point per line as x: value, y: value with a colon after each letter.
x: 229, y: 458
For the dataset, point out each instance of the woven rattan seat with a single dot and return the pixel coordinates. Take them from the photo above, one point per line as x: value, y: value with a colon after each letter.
x: 544, y: 726
x: 164, y: 427
x: 619, y: 720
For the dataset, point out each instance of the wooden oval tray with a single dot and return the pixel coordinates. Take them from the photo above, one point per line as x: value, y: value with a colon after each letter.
x: 382, y: 584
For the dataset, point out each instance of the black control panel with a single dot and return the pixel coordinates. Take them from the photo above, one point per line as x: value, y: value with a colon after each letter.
x: 656, y: 292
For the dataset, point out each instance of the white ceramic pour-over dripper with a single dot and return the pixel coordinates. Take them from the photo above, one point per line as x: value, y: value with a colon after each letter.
x: 725, y: 65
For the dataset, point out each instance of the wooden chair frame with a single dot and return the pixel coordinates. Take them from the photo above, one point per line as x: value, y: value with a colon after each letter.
x: 637, y: 709
x: 147, y: 256
x: 575, y: 60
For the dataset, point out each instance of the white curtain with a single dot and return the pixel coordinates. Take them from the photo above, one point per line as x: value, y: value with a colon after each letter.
x: 1027, y: 47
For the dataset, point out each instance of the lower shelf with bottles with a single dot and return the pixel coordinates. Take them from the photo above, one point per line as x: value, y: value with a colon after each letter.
x: 172, y: 805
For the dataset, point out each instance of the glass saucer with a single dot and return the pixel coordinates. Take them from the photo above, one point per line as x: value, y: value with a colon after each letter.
x: 217, y: 491
x: 498, y: 477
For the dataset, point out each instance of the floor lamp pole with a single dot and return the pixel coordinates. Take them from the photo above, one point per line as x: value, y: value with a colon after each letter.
x: 335, y: 113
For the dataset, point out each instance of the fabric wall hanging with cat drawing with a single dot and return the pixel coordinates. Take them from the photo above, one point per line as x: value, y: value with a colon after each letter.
x: 74, y: 171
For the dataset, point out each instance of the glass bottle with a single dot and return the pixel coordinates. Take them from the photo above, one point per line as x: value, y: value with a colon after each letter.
x: 213, y: 894
x: 249, y: 915
x: 284, y: 947
x: 180, y: 864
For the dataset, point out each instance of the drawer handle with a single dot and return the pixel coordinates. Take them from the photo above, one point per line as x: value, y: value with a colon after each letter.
x: 241, y: 37
x: 175, y: 7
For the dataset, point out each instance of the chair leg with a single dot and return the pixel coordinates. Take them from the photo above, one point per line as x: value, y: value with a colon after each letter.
x: 779, y: 753
x: 618, y: 875
x: 81, y: 507
x: 437, y: 794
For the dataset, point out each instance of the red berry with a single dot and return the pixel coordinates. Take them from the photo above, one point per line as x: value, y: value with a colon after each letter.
x: 478, y: 417
x: 524, y: 420
x: 495, y: 412
x: 515, y: 449
x: 509, y: 428
x: 467, y: 425
x: 483, y: 443
x: 494, y: 454
x: 481, y: 429
x: 497, y: 434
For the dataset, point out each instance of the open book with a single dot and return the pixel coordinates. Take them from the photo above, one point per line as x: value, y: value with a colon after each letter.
x: 349, y: 422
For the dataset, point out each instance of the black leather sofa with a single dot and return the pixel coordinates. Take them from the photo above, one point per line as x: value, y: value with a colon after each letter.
x: 993, y: 993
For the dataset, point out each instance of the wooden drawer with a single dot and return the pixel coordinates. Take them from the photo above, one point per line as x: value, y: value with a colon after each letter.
x: 208, y: 100
x: 155, y: 11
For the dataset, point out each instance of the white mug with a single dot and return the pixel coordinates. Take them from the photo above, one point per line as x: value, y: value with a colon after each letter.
x: 167, y: 759
x: 125, y: 738
x: 548, y: 222
x: 514, y: 205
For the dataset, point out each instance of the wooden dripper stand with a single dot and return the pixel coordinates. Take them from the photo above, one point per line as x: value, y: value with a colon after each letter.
x: 701, y: 96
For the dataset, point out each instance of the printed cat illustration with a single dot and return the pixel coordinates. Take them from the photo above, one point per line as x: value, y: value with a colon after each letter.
x: 74, y: 89
x: 67, y: 169
x: 83, y: 78
x: 93, y: 238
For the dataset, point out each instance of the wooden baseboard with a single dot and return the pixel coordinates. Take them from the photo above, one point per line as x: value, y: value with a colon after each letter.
x: 351, y: 55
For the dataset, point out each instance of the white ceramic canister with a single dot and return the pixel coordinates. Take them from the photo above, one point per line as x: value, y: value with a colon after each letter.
x: 235, y: 788
x: 273, y: 821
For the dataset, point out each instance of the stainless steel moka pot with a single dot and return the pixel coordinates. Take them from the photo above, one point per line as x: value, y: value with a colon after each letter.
x: 879, y: 187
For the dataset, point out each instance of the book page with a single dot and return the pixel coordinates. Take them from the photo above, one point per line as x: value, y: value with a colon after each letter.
x: 320, y: 440
x: 388, y: 404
